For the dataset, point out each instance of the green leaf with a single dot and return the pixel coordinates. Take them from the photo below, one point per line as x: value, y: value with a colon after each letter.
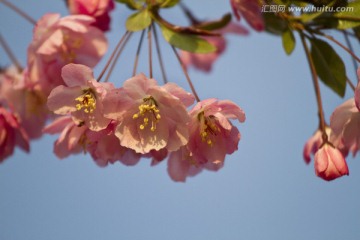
x: 349, y: 19
x: 274, y: 24
x: 138, y: 21
x: 132, y: 4
x: 288, y: 41
x: 329, y: 66
x: 214, y: 25
x: 187, y: 42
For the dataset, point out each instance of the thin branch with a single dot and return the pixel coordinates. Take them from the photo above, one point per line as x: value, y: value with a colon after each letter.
x: 113, y: 64
x: 159, y: 55
x: 186, y: 74
x: 112, y: 56
x: 350, y: 84
x: 10, y: 54
x: 316, y: 87
x: 150, y: 53
x: 138, y: 52
x: 19, y: 11
x: 348, y: 42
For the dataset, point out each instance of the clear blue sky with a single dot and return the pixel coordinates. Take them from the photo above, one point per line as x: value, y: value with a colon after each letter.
x: 265, y: 190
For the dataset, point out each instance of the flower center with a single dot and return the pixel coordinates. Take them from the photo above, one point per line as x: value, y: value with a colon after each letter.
x: 208, y: 128
x: 87, y: 101
x: 68, y: 46
x: 149, y: 113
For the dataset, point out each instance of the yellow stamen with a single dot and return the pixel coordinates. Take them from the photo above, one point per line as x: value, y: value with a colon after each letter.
x: 87, y: 102
x: 149, y: 112
x: 208, y: 128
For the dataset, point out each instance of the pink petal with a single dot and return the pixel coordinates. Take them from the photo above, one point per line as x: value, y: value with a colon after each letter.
x: 321, y: 160
x: 76, y: 74
x: 185, y: 97
x: 357, y: 93
x: 338, y: 160
x: 62, y: 99
x: 52, y: 44
x: 342, y: 115
x: 116, y: 103
x: 232, y: 140
x: 231, y: 110
x: 137, y: 86
x: 76, y: 23
x: 178, y: 165
x: 57, y: 125
x: 130, y: 158
x: 75, y: 135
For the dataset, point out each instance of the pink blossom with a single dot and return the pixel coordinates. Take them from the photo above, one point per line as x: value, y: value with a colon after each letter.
x: 251, y: 11
x: 212, y: 135
x: 314, y: 143
x: 105, y: 148
x: 345, y: 125
x: 59, y: 41
x: 150, y: 117
x: 72, y: 139
x: 28, y: 105
x: 99, y: 9
x: 82, y: 97
x: 330, y: 163
x: 11, y: 134
x: 204, y: 62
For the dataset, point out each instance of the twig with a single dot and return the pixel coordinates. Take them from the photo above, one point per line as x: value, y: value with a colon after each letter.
x: 150, y: 53
x: 138, y: 52
x: 113, y: 64
x: 316, y: 87
x: 186, y: 74
x: 19, y: 11
x: 159, y: 55
x: 112, y: 56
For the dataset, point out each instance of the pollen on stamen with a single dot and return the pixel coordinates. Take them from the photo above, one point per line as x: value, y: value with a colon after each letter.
x: 208, y: 129
x: 149, y: 111
x: 87, y: 102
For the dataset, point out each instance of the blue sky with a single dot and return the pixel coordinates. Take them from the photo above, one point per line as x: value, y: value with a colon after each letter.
x: 265, y: 190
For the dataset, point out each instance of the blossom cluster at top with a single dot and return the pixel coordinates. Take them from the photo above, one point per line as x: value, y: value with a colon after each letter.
x: 57, y: 92
x: 141, y: 119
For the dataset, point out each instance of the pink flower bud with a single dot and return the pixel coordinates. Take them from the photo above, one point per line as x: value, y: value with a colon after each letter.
x: 330, y: 163
x: 99, y: 9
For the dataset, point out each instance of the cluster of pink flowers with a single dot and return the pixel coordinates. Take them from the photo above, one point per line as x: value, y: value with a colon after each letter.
x: 340, y: 138
x: 56, y: 42
x: 141, y: 119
